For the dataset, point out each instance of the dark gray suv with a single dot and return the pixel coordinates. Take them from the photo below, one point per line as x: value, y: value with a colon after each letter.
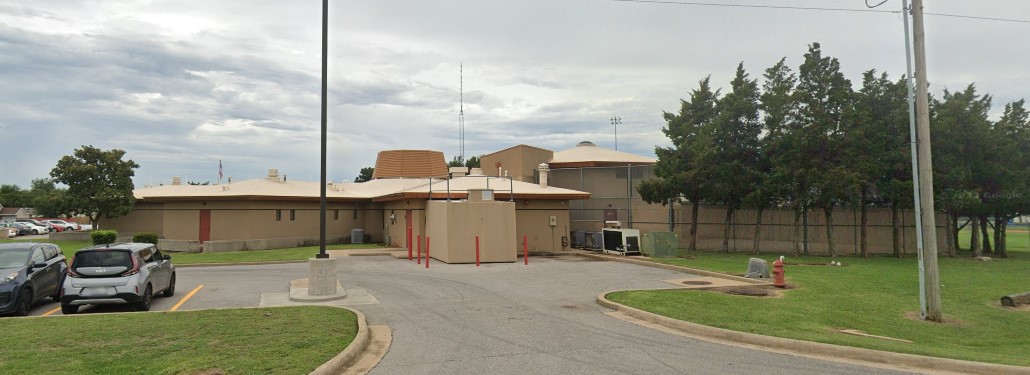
x: 29, y: 272
x: 125, y: 273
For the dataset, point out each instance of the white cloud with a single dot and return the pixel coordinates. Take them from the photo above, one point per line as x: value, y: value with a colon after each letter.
x: 182, y: 84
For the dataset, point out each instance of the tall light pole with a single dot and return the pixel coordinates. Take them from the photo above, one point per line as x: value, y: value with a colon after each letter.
x: 325, y: 60
x: 616, y: 120
x: 931, y: 277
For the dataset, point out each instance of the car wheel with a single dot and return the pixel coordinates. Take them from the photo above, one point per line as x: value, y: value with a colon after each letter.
x: 69, y: 309
x: 171, y: 287
x: 24, y: 303
x: 144, y: 304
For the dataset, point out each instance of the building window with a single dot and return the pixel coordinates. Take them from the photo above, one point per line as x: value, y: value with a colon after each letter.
x: 336, y: 214
x: 355, y: 214
x: 293, y: 215
x: 278, y: 215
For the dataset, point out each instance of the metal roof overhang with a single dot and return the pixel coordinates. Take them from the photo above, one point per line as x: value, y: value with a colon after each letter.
x: 249, y: 198
x: 500, y: 196
x: 590, y: 164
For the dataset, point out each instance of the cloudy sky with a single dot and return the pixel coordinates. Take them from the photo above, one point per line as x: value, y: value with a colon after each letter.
x: 183, y: 84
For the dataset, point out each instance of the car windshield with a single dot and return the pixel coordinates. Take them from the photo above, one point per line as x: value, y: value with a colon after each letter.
x: 14, y: 258
x: 102, y: 259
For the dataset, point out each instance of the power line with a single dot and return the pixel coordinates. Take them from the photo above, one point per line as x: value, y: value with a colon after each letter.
x: 821, y: 9
x: 726, y: 5
x: 976, y: 17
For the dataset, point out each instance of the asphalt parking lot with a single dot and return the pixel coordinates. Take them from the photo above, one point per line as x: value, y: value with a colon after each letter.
x: 497, y: 318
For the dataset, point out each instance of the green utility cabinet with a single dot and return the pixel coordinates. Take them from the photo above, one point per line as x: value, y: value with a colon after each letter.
x: 659, y: 244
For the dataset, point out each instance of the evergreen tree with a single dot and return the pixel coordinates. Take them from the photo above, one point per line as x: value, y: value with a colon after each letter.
x: 678, y: 171
x: 780, y: 117
x: 731, y: 163
x: 1006, y: 177
x: 960, y: 143
x: 824, y: 96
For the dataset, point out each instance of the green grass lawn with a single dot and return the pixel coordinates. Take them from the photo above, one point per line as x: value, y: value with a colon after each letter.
x: 878, y: 295
x: 282, y: 340
x: 296, y: 253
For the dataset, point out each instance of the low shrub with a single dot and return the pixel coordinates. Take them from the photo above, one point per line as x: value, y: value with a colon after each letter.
x: 145, y: 237
x: 103, y: 237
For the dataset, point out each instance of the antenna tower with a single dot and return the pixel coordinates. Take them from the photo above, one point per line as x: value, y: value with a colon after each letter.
x: 461, y: 111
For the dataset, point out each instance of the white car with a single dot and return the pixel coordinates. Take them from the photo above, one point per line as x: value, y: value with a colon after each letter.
x: 36, y: 229
x: 46, y: 227
x: 8, y: 232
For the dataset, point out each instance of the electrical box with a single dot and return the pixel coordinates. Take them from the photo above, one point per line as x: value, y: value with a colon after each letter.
x: 553, y: 221
x: 659, y: 244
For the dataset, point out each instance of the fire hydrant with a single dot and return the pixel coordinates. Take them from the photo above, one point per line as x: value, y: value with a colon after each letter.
x: 778, y: 280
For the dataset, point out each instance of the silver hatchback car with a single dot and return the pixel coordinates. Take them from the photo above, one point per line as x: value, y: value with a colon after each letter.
x: 125, y: 273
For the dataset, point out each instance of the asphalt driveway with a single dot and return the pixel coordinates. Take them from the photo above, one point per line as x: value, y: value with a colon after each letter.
x: 503, y: 318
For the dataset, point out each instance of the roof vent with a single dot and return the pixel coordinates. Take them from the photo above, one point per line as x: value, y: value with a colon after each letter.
x: 273, y: 174
x: 586, y: 144
x: 543, y: 169
x: 176, y: 181
x: 458, y: 171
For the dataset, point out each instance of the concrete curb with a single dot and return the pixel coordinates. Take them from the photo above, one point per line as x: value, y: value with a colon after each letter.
x: 694, y: 271
x: 914, y: 361
x: 237, y: 264
x: 356, y: 348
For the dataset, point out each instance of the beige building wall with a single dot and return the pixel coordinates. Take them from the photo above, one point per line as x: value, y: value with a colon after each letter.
x: 396, y: 230
x: 249, y: 220
x: 520, y: 162
x: 533, y: 222
x: 452, y: 228
x: 145, y: 217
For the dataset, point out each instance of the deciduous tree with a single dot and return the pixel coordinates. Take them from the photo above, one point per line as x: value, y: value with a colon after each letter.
x: 99, y: 183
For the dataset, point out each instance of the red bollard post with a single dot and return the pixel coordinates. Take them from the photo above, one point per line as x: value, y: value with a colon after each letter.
x: 525, y: 249
x: 427, y: 251
x: 409, y: 243
x: 477, y: 251
x: 420, y: 249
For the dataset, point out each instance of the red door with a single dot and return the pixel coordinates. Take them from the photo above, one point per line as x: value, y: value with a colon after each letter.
x: 205, y: 225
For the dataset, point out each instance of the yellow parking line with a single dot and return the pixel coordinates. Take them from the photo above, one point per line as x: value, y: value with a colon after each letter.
x: 186, y: 298
x: 48, y: 313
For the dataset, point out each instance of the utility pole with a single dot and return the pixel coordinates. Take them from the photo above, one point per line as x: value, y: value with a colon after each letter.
x: 915, y: 157
x: 931, y: 275
x: 616, y: 120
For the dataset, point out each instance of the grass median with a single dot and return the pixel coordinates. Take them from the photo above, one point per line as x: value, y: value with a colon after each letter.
x: 281, y: 340
x: 249, y: 256
x: 878, y: 295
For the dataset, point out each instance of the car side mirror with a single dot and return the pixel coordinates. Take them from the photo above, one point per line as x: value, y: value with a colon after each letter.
x: 166, y: 257
x: 39, y: 265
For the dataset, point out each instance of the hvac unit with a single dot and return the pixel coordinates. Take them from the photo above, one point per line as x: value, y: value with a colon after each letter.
x: 579, y: 239
x: 621, y: 241
x: 357, y: 236
x: 594, y: 241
